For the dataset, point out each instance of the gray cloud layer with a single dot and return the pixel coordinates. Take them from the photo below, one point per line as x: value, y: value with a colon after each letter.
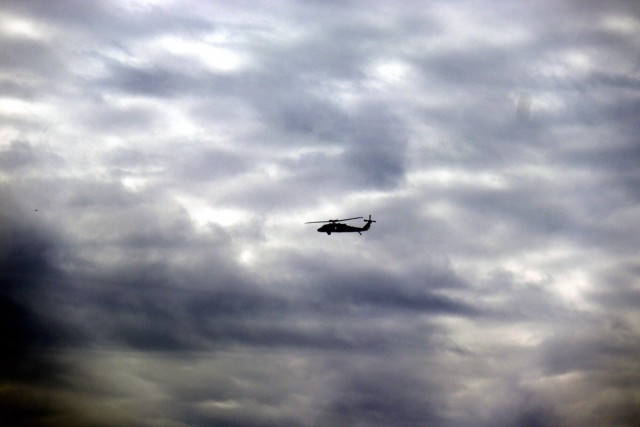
x: 158, y: 160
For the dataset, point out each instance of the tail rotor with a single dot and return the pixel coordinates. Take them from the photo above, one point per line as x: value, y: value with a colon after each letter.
x: 368, y: 223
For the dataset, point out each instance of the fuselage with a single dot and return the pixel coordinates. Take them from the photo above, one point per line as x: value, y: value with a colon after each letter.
x: 336, y: 227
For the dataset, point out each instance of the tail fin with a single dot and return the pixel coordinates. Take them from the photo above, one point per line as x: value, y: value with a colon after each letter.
x: 368, y: 223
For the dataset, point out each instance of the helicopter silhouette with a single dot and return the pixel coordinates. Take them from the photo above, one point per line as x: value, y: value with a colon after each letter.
x: 335, y: 226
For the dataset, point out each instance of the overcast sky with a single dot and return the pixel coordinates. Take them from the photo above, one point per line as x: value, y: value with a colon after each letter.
x: 158, y: 160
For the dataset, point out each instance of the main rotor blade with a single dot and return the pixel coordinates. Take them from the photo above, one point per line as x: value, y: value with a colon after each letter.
x: 333, y: 220
x: 348, y: 219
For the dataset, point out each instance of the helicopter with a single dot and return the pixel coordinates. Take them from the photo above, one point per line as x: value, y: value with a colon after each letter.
x: 335, y: 226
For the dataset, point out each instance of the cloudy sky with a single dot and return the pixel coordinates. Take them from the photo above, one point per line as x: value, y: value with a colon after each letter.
x: 158, y: 160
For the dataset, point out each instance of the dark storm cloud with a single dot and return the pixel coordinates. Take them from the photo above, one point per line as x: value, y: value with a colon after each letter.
x: 217, y: 309
x: 375, y: 143
x: 379, y: 395
x: 384, y: 291
x: 602, y: 356
x: 124, y: 304
x: 617, y: 287
x: 24, y: 266
x: 156, y: 82
x: 27, y: 268
x: 20, y: 154
x: 378, y: 148
x: 27, y: 56
x: 478, y: 67
x: 616, y: 157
